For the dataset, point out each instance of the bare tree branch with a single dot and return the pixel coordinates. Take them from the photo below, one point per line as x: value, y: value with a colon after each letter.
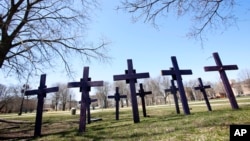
x: 205, y: 14
x: 33, y: 34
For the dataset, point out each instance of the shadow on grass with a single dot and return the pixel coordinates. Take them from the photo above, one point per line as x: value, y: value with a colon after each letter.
x: 198, y: 122
x: 31, y: 137
x: 17, y: 138
x: 10, y: 134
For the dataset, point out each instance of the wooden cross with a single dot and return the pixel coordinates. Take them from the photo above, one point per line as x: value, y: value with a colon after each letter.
x: 89, y: 101
x: 221, y: 68
x: 131, y: 77
x: 174, y: 90
x: 176, y: 75
x: 85, y: 85
x: 203, y: 88
x: 41, y: 93
x: 117, y: 98
x: 142, y: 94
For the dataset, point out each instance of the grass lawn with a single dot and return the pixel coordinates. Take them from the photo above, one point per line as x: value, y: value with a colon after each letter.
x: 163, y: 124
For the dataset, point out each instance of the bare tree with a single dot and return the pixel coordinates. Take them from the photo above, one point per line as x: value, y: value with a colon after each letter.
x: 157, y: 86
x: 24, y: 88
x: 65, y: 96
x: 62, y: 96
x: 165, y: 83
x: 102, y: 94
x: 244, y: 76
x: 210, y: 92
x: 35, y: 32
x: 5, y: 98
x: 191, y: 94
x: 8, y: 98
x: 123, y: 90
x: 219, y: 88
x: 206, y: 14
x: 236, y: 87
x: 56, y: 100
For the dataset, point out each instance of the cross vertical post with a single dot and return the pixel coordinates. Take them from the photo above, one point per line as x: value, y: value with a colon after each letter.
x: 117, y: 97
x: 41, y: 93
x: 88, y: 108
x: 85, y: 85
x: 89, y: 101
x: 174, y: 90
x: 203, y: 88
x: 142, y: 94
x: 131, y: 77
x: 221, y: 68
x: 176, y: 75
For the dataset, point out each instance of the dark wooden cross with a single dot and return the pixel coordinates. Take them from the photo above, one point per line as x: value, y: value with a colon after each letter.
x: 131, y: 77
x: 142, y: 94
x: 221, y: 68
x: 176, y: 75
x: 203, y: 88
x: 89, y: 101
x: 85, y: 85
x: 41, y: 94
x: 174, y: 90
x: 117, y: 98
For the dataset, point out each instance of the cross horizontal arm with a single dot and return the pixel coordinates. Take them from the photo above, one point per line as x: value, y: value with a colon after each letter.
x: 31, y: 92
x: 172, y: 72
x: 111, y: 96
x: 230, y: 67
x: 168, y: 90
x: 46, y: 90
x: 146, y: 93
x: 186, y: 72
x: 212, y: 68
x: 167, y: 72
x: 218, y: 68
x: 123, y: 96
x: 93, y: 100
x: 197, y: 88
x: 172, y: 89
x: 131, y: 76
x: 74, y: 84
x: 95, y: 83
x: 52, y: 89
x: 204, y: 87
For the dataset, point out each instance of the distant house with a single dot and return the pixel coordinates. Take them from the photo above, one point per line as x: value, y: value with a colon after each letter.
x: 240, y: 88
x: 220, y: 95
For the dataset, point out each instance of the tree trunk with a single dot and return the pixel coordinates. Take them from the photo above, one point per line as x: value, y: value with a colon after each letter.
x: 56, y: 105
x: 3, y: 52
x: 63, y: 106
x: 127, y: 102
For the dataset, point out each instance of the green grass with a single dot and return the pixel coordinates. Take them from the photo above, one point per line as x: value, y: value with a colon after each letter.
x: 163, y: 124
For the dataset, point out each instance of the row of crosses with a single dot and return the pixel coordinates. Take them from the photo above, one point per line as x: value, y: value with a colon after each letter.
x: 173, y: 89
x: 84, y: 84
x: 131, y: 77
